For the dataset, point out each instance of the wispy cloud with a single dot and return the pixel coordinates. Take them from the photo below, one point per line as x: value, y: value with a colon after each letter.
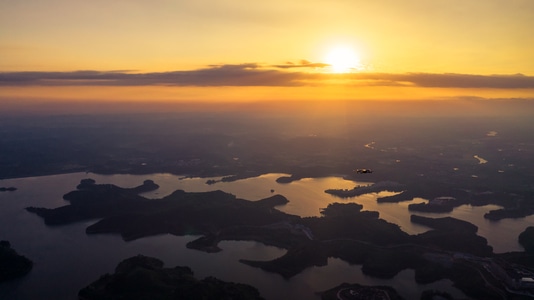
x: 451, y: 80
x: 302, y: 64
x: 302, y: 73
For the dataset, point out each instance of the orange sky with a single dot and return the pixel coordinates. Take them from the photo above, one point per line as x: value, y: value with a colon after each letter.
x: 236, y: 50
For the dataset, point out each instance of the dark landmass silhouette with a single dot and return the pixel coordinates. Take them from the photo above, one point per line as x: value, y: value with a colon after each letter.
x: 357, y: 291
x: 217, y: 215
x: 95, y: 201
x: 526, y: 239
x: 12, y: 265
x: 456, y: 197
x: 445, y: 224
x: 433, y: 294
x: 8, y: 189
x: 343, y: 231
x: 429, y: 152
x: 511, y: 213
x: 367, y: 189
x: 142, y: 277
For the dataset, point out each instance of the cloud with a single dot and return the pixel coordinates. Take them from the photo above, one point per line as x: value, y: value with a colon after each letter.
x: 214, y: 75
x: 302, y: 64
x: 451, y: 80
x: 252, y: 74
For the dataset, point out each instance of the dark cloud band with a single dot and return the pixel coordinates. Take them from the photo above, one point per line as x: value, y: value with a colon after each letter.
x: 257, y: 75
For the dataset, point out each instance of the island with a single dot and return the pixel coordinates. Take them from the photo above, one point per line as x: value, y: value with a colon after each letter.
x: 12, y: 264
x: 216, y: 215
x: 143, y: 277
x: 503, y: 213
x: 451, y: 249
x: 8, y: 189
x: 444, y: 224
x: 366, y: 189
x: 513, y: 205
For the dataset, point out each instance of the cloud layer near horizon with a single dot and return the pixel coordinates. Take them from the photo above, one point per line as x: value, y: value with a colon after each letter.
x: 257, y: 75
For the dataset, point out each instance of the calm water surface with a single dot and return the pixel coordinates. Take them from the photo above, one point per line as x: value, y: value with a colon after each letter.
x: 66, y: 259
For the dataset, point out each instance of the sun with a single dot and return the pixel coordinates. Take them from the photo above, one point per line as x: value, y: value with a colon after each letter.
x: 343, y: 60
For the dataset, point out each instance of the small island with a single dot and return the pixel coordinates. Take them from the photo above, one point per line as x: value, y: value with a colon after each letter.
x: 367, y: 189
x: 12, y: 265
x: 142, y: 277
x: 437, y: 205
x: 513, y: 213
x: 445, y: 224
x: 8, y: 189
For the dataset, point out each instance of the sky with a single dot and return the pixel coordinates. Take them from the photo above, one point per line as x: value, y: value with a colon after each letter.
x: 240, y: 50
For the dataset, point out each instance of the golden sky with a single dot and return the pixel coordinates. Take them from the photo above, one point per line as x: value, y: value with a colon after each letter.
x: 263, y: 50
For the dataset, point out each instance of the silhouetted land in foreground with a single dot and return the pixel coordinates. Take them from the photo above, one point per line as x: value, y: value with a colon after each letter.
x: 357, y: 291
x: 142, y: 277
x: 526, y: 239
x: 431, y: 149
x: 12, y: 265
x: 343, y: 231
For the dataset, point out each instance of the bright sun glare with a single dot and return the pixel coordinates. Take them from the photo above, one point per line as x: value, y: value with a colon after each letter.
x: 343, y: 60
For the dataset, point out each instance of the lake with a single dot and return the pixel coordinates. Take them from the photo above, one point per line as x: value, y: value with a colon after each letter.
x: 66, y: 259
